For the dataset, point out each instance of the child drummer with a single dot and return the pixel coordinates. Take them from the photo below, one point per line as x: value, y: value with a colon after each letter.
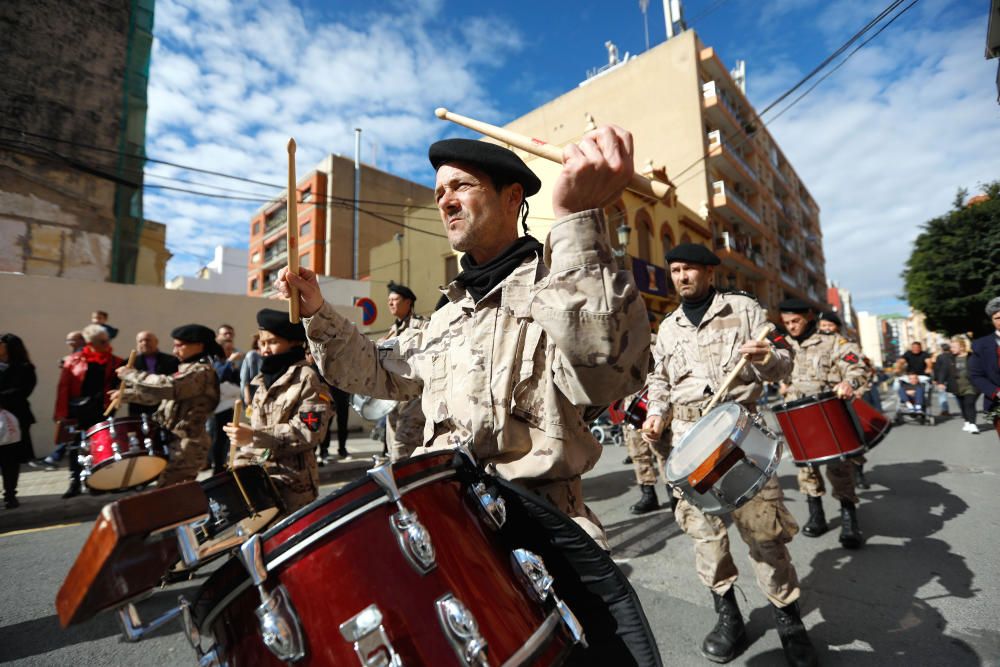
x: 289, y: 412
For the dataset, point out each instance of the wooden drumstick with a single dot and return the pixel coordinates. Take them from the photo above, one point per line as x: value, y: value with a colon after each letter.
x: 292, y: 224
x: 724, y: 388
x: 639, y: 183
x: 118, y: 399
x: 237, y: 416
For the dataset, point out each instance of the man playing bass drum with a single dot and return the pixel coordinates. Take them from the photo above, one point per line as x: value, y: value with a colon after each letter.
x: 696, y: 347
x: 824, y: 362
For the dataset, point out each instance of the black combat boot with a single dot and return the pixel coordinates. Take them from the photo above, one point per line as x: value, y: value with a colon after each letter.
x: 648, y: 502
x: 799, y: 651
x: 860, y: 477
x: 850, y: 534
x: 816, y: 525
x: 74, y: 488
x: 729, y: 635
x: 627, y: 461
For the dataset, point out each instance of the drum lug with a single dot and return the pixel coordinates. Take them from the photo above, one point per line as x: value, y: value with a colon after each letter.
x: 85, y: 461
x: 462, y: 630
x: 414, y: 540
x: 371, y: 644
x: 133, y: 442
x: 187, y: 541
x: 494, y: 508
x: 279, y: 624
x: 535, y: 577
x: 148, y: 442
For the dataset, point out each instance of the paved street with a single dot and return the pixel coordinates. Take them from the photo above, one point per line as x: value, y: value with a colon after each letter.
x: 922, y: 591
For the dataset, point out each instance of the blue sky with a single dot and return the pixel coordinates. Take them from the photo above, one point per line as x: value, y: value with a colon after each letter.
x: 882, y: 144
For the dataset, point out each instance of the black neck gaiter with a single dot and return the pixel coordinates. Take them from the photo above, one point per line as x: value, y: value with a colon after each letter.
x: 695, y: 310
x: 274, y: 366
x: 479, y: 279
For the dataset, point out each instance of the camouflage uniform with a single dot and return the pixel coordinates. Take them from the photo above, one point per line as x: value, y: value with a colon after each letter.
x: 647, y: 460
x: 187, y: 399
x: 690, y: 363
x: 289, y: 419
x: 404, y: 426
x: 513, y: 374
x: 821, y: 362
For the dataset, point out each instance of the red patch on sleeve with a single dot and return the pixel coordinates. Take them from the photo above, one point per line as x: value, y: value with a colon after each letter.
x: 311, y: 419
x: 779, y: 340
x: 851, y: 358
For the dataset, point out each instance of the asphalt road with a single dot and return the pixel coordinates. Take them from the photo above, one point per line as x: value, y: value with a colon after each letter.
x: 923, y: 591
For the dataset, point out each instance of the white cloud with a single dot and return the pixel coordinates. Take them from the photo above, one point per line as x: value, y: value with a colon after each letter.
x: 885, y: 142
x: 227, y: 97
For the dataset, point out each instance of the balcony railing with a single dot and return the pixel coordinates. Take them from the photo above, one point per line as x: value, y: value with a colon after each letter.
x: 731, y: 197
x: 709, y: 89
x: 715, y: 139
x: 810, y: 265
x: 742, y: 245
x: 275, y: 251
x: 277, y: 220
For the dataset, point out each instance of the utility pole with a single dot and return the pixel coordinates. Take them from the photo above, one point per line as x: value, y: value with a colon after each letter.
x: 643, y: 6
x: 357, y: 196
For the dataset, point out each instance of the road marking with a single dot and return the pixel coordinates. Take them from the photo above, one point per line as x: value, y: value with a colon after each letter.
x: 39, y: 530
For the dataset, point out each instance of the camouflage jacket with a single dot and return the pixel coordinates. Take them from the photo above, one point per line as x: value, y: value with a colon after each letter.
x: 289, y: 419
x: 690, y: 362
x: 821, y: 362
x: 406, y: 422
x: 187, y: 398
x: 513, y: 374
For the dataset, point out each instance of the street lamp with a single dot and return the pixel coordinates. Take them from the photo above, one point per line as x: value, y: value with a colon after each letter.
x: 623, y: 232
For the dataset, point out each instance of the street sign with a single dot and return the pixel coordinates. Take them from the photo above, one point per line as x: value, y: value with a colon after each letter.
x: 368, y: 310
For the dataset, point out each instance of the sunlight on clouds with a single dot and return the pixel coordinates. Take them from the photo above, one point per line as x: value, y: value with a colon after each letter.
x: 227, y: 96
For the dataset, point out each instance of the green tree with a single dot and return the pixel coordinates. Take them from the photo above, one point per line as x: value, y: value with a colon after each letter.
x: 954, y: 268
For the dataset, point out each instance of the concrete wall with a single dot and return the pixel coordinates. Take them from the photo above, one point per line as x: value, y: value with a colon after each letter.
x: 42, y: 309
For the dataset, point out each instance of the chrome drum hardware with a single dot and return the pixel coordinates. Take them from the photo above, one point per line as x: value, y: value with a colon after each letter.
x: 414, y: 540
x: 536, y: 579
x: 279, y: 624
x: 371, y: 644
x: 462, y: 631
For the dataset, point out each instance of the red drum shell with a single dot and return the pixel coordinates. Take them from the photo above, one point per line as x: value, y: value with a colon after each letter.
x: 142, y: 453
x: 635, y: 413
x: 359, y: 563
x: 874, y: 424
x: 820, y: 429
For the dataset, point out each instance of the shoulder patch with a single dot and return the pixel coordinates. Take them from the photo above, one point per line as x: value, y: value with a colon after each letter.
x: 842, y: 341
x: 312, y: 419
x: 851, y: 358
x: 323, y: 396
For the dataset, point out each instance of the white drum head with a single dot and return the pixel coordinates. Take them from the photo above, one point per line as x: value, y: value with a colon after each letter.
x: 704, y: 438
x: 370, y: 408
x: 130, y: 471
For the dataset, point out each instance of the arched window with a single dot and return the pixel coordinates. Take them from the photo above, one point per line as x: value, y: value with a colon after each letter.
x: 667, y: 239
x: 644, y: 232
x: 615, y: 215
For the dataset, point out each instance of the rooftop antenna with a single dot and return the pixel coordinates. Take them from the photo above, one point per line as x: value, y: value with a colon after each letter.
x: 673, y: 14
x: 739, y: 74
x: 643, y: 6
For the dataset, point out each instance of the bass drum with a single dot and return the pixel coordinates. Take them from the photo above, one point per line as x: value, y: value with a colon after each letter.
x: 423, y: 581
x: 370, y: 408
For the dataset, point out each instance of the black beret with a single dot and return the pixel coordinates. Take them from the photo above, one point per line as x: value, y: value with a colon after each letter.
x: 402, y: 290
x: 830, y: 316
x: 197, y: 333
x: 794, y: 305
x: 693, y: 253
x: 277, y: 322
x: 495, y: 160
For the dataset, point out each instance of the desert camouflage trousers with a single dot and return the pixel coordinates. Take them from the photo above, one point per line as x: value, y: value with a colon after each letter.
x: 647, y: 460
x: 188, y: 456
x: 840, y: 474
x: 766, y: 527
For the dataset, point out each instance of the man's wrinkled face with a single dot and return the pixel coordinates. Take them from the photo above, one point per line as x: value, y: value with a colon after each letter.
x: 146, y: 343
x: 795, y: 323
x: 691, y: 280
x: 471, y: 209
x: 399, y: 306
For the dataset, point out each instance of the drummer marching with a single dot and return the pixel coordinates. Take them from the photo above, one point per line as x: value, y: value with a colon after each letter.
x: 404, y: 425
x: 696, y: 346
x: 289, y: 412
x: 824, y: 361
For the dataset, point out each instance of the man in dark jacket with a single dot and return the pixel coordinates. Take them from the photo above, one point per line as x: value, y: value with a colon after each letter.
x: 944, y: 376
x: 984, y: 362
x: 150, y: 359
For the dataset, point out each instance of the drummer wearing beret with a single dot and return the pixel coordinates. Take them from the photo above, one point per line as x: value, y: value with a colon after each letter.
x: 824, y: 361
x: 696, y: 348
x: 289, y: 413
x: 404, y: 429
x: 531, y: 340
x: 186, y: 400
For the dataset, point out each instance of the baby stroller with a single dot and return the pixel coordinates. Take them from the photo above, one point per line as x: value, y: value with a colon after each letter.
x: 605, y: 432
x: 915, y: 398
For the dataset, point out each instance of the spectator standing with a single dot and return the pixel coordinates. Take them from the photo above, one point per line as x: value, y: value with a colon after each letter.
x: 101, y: 317
x: 249, y: 369
x: 944, y: 376
x: 227, y: 368
x: 984, y: 362
x: 917, y: 361
x: 150, y: 359
x: 17, y: 381
x: 965, y: 392
x: 75, y: 342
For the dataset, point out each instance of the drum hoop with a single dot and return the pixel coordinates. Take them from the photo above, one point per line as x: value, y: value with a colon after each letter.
x: 357, y: 509
x: 854, y: 453
x: 736, y: 435
x: 101, y: 425
x: 804, y: 401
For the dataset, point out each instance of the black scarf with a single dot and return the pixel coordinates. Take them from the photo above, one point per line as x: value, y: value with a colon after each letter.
x: 479, y: 279
x: 695, y: 310
x: 274, y: 366
x: 809, y: 331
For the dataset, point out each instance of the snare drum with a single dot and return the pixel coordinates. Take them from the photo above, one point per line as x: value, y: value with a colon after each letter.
x: 356, y: 579
x: 724, y: 460
x: 820, y: 429
x: 241, y: 503
x: 122, y: 453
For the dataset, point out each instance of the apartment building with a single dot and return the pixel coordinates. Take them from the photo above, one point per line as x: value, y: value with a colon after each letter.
x: 732, y: 180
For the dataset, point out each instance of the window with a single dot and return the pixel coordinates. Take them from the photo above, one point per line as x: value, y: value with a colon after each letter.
x: 254, y: 284
x: 255, y: 257
x: 668, y: 241
x: 305, y: 229
x: 307, y: 195
x: 256, y: 228
x: 450, y: 268
x: 644, y: 231
x: 305, y: 259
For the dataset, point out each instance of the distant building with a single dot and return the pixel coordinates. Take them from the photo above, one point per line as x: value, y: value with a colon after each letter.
x: 884, y: 338
x: 993, y: 38
x: 871, y: 337
x: 73, y: 146
x: 326, y: 222
x: 225, y: 274
x: 841, y: 303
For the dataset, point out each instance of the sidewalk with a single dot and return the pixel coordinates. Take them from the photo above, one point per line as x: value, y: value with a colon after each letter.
x: 40, y: 491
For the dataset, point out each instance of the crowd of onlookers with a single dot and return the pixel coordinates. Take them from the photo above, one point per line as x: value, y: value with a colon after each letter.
x: 87, y: 375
